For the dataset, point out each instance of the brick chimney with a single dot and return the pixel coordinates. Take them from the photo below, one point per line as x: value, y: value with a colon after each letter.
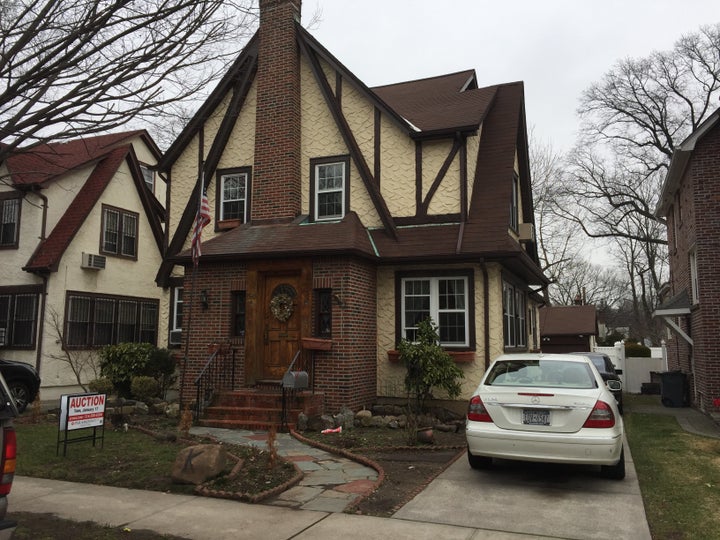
x: 277, y: 193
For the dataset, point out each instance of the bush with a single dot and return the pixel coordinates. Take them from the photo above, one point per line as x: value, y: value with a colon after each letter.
x: 121, y: 362
x: 162, y: 367
x: 636, y: 350
x: 103, y: 385
x: 144, y: 388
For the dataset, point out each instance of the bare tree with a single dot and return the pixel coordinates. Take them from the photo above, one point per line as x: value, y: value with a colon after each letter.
x: 73, y: 68
x: 632, y: 120
x: 83, y: 364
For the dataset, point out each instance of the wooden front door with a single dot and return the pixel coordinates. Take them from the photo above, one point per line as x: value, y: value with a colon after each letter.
x: 281, y: 309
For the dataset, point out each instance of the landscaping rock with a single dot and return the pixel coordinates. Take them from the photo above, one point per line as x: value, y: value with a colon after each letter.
x: 302, y: 422
x: 196, y: 464
x: 173, y: 410
x: 328, y: 422
x: 364, y: 417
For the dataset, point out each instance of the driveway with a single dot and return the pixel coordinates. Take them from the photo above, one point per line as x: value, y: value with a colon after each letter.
x: 542, y: 500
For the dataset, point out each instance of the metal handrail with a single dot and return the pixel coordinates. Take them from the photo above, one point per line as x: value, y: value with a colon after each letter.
x: 213, y: 378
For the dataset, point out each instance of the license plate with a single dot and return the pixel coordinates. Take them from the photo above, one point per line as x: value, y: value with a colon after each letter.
x: 536, y: 417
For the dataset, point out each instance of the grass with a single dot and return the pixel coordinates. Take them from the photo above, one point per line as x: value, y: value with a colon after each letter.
x: 679, y: 474
x: 134, y: 459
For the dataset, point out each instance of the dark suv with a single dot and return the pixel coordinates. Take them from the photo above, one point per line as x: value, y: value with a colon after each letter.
x: 607, y: 371
x: 23, y: 381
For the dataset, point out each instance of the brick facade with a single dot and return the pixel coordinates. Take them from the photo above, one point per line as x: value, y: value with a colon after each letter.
x: 276, y: 172
x: 694, y: 224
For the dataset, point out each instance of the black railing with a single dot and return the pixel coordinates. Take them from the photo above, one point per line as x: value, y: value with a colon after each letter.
x: 217, y: 374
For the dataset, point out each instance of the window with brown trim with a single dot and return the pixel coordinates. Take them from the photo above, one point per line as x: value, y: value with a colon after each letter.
x: 9, y: 222
x: 238, y: 313
x: 119, y: 232
x: 96, y: 320
x: 329, y: 188
x: 18, y: 320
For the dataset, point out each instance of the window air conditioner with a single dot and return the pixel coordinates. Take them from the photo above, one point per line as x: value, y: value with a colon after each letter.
x: 175, y: 337
x: 93, y: 262
x: 526, y: 232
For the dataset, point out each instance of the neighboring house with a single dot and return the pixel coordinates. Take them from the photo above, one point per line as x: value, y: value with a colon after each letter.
x: 343, y: 215
x: 689, y: 203
x: 80, y: 243
x: 565, y: 329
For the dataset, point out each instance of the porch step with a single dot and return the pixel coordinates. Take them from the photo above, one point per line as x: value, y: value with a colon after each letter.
x: 254, y: 408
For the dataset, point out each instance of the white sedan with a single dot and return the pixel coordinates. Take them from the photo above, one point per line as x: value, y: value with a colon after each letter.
x: 546, y: 408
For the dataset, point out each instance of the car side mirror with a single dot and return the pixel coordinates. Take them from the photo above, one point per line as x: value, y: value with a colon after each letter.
x: 614, y: 386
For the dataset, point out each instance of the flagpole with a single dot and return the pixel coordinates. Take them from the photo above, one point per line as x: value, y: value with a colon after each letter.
x: 192, y: 283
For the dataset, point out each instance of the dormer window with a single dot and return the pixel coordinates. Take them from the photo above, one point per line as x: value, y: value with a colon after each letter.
x: 330, y: 188
x: 119, y: 232
x: 9, y: 222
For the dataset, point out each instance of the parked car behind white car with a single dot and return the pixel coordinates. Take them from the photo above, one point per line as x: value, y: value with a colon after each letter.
x: 546, y: 408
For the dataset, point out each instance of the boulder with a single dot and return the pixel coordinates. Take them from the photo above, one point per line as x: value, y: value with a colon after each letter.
x: 302, y: 422
x: 196, y: 464
x: 364, y: 417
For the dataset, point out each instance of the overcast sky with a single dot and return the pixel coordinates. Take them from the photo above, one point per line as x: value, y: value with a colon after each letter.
x: 557, y: 47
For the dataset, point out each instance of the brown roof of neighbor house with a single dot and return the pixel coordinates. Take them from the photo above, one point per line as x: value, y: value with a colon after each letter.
x: 568, y: 320
x: 41, y: 163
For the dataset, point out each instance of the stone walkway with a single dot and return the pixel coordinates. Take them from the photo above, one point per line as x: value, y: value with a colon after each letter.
x: 331, y: 482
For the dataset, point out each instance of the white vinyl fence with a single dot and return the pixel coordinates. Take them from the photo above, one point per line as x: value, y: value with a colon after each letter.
x: 635, y: 371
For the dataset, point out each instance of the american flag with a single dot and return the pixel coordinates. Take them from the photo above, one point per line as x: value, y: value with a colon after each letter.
x: 202, y: 219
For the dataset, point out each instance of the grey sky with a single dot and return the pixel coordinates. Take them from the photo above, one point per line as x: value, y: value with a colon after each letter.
x: 557, y: 47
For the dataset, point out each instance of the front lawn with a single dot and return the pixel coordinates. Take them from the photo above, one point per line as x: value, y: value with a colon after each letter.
x: 679, y: 474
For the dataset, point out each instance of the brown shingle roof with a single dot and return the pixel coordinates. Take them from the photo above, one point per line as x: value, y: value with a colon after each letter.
x: 48, y: 254
x: 568, y: 320
x: 444, y: 103
x: 38, y: 164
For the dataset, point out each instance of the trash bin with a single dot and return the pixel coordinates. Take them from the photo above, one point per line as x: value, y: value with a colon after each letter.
x: 672, y: 388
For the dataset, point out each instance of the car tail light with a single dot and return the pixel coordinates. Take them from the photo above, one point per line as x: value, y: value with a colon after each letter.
x: 477, y: 411
x: 601, y: 416
x: 9, y: 455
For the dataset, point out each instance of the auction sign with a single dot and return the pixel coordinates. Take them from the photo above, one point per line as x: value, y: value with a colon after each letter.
x: 81, y: 411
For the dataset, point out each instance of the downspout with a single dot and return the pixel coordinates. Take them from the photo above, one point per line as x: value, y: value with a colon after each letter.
x: 486, y: 314
x: 44, y: 277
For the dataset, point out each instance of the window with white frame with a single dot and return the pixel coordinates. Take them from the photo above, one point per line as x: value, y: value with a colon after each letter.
x: 514, y: 323
x: 694, y: 277
x: 9, y: 222
x: 177, y: 309
x: 119, y: 232
x: 148, y: 176
x: 233, y: 196
x: 330, y: 186
x: 514, y: 203
x: 444, y: 299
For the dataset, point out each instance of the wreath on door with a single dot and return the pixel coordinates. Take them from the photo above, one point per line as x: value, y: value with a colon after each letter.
x: 281, y: 307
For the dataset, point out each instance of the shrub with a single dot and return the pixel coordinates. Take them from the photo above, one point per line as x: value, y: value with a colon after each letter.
x: 121, y: 362
x: 162, y: 367
x: 103, y: 385
x: 144, y: 388
x: 636, y: 350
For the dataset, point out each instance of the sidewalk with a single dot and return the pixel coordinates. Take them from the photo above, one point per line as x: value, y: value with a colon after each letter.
x: 457, y: 504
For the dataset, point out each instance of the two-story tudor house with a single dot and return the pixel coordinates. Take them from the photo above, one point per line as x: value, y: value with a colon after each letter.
x: 342, y: 215
x: 81, y: 239
x: 691, y: 206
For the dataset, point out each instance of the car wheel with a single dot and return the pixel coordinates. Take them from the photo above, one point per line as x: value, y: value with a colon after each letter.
x: 617, y: 471
x: 21, y: 393
x: 479, y: 462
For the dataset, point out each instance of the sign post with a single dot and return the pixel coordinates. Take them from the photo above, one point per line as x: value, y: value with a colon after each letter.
x: 79, y: 412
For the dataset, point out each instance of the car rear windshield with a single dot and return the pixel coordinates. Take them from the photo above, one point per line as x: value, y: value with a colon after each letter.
x: 542, y: 373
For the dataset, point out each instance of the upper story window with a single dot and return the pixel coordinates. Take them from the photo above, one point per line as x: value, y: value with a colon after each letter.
x: 9, y: 222
x: 514, y: 203
x: 148, y: 176
x: 445, y: 299
x: 694, y: 287
x: 119, y: 232
x: 330, y: 188
x: 234, y: 190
